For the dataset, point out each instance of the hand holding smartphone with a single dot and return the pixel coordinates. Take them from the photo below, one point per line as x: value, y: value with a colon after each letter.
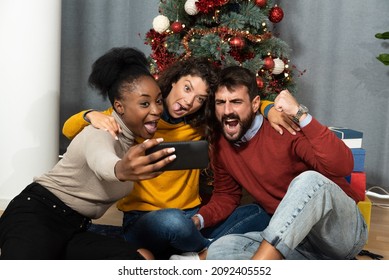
x: 189, y: 154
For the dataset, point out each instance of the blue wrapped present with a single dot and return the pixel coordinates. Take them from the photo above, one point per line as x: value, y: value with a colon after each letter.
x: 352, y: 138
x: 359, y: 159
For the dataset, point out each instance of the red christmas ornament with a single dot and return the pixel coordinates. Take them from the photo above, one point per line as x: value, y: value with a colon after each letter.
x: 276, y: 14
x: 261, y: 3
x: 268, y: 63
x: 176, y: 27
x: 260, y: 82
x: 237, y: 42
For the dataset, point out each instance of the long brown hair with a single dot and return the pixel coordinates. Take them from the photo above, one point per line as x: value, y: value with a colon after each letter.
x: 194, y: 66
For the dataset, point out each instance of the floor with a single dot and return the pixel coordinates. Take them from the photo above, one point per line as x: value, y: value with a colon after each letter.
x: 378, y: 242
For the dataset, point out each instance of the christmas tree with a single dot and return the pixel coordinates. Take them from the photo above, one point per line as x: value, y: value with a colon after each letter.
x: 228, y: 32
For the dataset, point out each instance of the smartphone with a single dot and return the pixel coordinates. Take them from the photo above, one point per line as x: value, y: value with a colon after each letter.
x: 189, y: 154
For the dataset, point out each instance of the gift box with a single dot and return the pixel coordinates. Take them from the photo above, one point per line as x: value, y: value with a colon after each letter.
x: 357, y: 182
x: 365, y: 209
x: 359, y: 159
x: 352, y: 138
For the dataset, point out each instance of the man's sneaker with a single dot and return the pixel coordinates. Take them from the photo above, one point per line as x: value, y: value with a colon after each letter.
x: 186, y: 256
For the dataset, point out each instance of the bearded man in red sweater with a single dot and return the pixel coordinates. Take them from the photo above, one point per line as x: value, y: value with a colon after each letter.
x: 298, y: 180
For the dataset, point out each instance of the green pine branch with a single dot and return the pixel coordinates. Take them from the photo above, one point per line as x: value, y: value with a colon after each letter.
x: 174, y: 45
x: 229, y: 60
x: 174, y: 9
x: 254, y: 16
x: 274, y: 45
x: 384, y: 35
x: 383, y: 57
x: 233, y: 21
x: 254, y: 64
x: 226, y: 22
x: 212, y: 44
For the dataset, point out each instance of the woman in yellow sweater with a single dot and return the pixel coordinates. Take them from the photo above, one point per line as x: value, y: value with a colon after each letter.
x: 160, y: 213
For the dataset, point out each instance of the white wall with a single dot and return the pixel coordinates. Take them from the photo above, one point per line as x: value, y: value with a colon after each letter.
x: 29, y: 87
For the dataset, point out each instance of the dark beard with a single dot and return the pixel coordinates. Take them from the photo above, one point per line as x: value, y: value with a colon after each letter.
x: 245, y: 126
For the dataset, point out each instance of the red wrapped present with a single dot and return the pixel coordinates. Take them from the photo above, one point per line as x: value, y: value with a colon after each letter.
x: 357, y: 181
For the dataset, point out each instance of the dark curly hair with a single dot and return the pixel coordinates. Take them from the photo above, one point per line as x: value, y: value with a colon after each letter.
x: 194, y: 66
x: 116, y: 70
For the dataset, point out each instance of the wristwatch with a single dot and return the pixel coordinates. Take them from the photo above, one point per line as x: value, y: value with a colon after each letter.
x: 302, y: 110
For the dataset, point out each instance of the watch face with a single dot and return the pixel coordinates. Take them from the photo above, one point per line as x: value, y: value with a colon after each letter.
x: 304, y: 109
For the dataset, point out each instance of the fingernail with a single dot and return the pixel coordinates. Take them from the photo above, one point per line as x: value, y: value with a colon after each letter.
x: 146, y: 140
x: 172, y: 157
x: 116, y: 138
x: 159, y: 140
x: 171, y: 150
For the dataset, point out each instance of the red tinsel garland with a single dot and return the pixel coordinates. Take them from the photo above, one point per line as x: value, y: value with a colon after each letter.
x: 206, y: 6
x: 159, y: 52
x: 240, y: 56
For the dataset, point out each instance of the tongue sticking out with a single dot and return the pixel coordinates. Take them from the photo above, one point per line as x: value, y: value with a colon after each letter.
x: 178, y: 107
x: 178, y: 110
x: 151, y: 127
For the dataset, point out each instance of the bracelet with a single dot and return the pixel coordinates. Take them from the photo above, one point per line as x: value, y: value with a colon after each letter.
x: 85, y: 117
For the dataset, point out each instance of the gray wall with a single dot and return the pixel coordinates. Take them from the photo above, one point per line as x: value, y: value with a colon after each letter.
x: 89, y: 29
x: 344, y: 84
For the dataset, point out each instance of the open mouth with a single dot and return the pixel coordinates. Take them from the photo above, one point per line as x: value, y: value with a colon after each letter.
x: 231, y: 126
x: 179, y: 109
x: 151, y: 127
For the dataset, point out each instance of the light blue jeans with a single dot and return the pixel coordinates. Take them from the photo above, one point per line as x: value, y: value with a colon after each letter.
x: 315, y: 220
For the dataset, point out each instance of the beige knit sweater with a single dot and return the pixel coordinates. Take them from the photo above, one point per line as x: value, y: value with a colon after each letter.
x: 84, y: 179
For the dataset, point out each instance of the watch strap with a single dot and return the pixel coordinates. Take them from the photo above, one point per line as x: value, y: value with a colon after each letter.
x: 301, y: 110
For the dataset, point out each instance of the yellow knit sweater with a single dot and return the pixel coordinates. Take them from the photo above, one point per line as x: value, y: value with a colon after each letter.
x: 172, y: 189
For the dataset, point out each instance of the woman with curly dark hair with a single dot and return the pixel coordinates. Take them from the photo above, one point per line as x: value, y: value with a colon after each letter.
x: 160, y: 214
x: 49, y: 219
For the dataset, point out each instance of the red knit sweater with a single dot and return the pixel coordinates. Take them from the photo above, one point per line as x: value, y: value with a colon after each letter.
x: 267, y: 164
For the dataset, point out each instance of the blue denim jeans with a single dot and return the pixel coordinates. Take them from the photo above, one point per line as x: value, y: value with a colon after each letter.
x: 315, y: 220
x: 172, y: 231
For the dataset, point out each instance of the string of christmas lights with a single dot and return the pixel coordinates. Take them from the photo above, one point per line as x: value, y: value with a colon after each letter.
x: 227, y: 32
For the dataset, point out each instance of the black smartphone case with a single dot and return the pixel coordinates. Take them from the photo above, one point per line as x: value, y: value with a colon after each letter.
x: 189, y: 154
